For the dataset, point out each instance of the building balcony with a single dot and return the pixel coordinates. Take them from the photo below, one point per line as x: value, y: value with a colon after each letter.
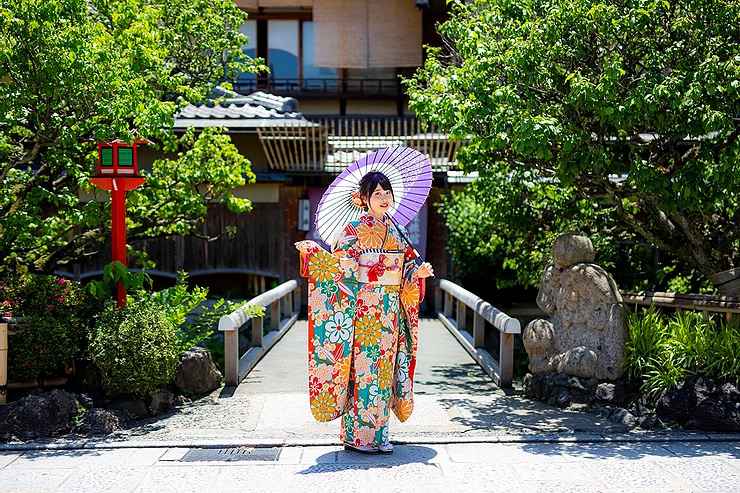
x: 329, y: 143
x: 361, y: 88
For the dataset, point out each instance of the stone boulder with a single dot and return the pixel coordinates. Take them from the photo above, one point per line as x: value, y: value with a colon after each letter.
x: 571, y: 249
x: 196, y: 373
x: 161, y: 401
x: 586, y: 333
x: 700, y: 403
x: 561, y: 390
x: 129, y: 407
x: 40, y: 414
x: 99, y: 421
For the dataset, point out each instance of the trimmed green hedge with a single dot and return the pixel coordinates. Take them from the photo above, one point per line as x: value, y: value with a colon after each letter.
x: 136, y: 348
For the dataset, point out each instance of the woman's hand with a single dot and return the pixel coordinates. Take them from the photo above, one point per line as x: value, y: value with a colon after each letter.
x: 425, y: 270
x: 304, y: 246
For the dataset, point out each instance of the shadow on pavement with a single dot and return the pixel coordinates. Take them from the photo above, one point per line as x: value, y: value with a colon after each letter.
x: 635, y: 450
x: 342, y: 459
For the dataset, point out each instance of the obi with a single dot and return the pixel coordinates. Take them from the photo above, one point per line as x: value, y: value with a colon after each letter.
x: 384, y: 268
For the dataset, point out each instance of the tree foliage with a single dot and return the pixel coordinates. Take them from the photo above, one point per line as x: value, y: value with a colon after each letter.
x: 616, y: 118
x: 75, y: 72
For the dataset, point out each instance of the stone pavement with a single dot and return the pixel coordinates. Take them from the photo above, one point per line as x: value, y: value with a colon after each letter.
x: 474, y: 467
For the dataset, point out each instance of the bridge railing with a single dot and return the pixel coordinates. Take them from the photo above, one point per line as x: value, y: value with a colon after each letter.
x: 284, y: 302
x: 501, y: 370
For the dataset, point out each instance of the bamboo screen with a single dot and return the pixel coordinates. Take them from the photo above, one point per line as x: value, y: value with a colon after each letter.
x: 395, y: 34
x: 367, y: 33
x: 340, y: 34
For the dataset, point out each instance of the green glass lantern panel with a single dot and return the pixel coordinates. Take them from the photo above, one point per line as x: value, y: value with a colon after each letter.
x: 125, y: 156
x: 106, y: 156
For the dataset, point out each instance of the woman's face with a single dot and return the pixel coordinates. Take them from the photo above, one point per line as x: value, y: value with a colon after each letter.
x: 381, y: 200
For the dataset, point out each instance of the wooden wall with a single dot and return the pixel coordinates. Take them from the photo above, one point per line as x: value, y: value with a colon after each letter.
x: 262, y: 246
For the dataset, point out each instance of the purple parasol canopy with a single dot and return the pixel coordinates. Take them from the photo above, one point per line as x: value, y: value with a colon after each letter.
x: 409, y: 172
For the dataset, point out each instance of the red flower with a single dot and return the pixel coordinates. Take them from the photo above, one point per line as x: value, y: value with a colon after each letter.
x: 361, y: 308
x: 314, y: 386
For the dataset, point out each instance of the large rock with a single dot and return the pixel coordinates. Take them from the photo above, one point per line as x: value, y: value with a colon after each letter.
x: 129, y: 407
x: 561, y: 390
x: 38, y: 415
x: 586, y: 333
x: 161, y: 401
x: 100, y: 421
x: 196, y: 373
x: 571, y: 249
x: 699, y: 403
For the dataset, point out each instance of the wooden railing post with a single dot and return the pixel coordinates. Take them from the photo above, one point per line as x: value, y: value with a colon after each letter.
x: 3, y: 363
x: 231, y: 356
x: 483, y: 313
x: 257, y: 331
x: 479, y: 330
x: 297, y: 300
x: 460, y: 317
x: 277, y: 298
x: 506, y: 358
x: 275, y: 315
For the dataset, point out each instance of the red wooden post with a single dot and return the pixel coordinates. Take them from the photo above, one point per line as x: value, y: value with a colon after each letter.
x: 118, y: 230
x: 118, y: 177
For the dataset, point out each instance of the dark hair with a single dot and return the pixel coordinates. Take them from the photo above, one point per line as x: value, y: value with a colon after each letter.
x: 370, y: 182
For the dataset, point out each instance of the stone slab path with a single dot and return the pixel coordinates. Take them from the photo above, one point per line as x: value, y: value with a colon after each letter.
x: 465, y: 435
x: 483, y: 467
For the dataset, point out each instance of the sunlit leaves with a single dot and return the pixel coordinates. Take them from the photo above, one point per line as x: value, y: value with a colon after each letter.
x: 576, y: 91
x: 74, y: 72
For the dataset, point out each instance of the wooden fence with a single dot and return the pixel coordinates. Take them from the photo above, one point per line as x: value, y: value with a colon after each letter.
x: 730, y: 306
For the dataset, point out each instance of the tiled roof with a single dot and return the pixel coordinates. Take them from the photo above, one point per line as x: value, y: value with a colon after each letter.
x: 238, y: 110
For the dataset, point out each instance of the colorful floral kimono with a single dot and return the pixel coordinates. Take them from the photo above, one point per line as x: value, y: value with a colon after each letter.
x: 363, y: 319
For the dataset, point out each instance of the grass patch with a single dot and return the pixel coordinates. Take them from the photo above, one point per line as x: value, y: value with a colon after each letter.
x: 662, y: 350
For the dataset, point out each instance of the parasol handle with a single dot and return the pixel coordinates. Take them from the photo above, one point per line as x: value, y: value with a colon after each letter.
x: 418, y: 260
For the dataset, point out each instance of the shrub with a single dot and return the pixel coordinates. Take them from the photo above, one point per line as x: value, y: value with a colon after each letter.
x: 178, y: 303
x: 54, y: 326
x: 135, y: 348
x: 662, y: 350
x: 195, y: 318
x: 177, y: 319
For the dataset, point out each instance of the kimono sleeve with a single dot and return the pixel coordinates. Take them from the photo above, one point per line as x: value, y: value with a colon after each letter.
x: 331, y: 302
x: 412, y: 293
x: 346, y: 248
x: 410, y: 267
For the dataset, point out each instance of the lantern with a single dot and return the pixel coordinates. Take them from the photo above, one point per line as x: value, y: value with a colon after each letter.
x: 117, y: 171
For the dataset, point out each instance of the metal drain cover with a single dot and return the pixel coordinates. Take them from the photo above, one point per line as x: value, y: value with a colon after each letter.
x: 233, y: 454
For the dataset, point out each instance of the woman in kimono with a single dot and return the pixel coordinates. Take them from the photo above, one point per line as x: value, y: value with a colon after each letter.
x: 363, y: 316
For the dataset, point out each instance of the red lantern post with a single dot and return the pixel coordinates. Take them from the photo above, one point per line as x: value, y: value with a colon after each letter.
x: 118, y: 172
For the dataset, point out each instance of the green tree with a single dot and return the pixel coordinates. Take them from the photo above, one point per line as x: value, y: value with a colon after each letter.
x: 616, y: 118
x: 74, y: 72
